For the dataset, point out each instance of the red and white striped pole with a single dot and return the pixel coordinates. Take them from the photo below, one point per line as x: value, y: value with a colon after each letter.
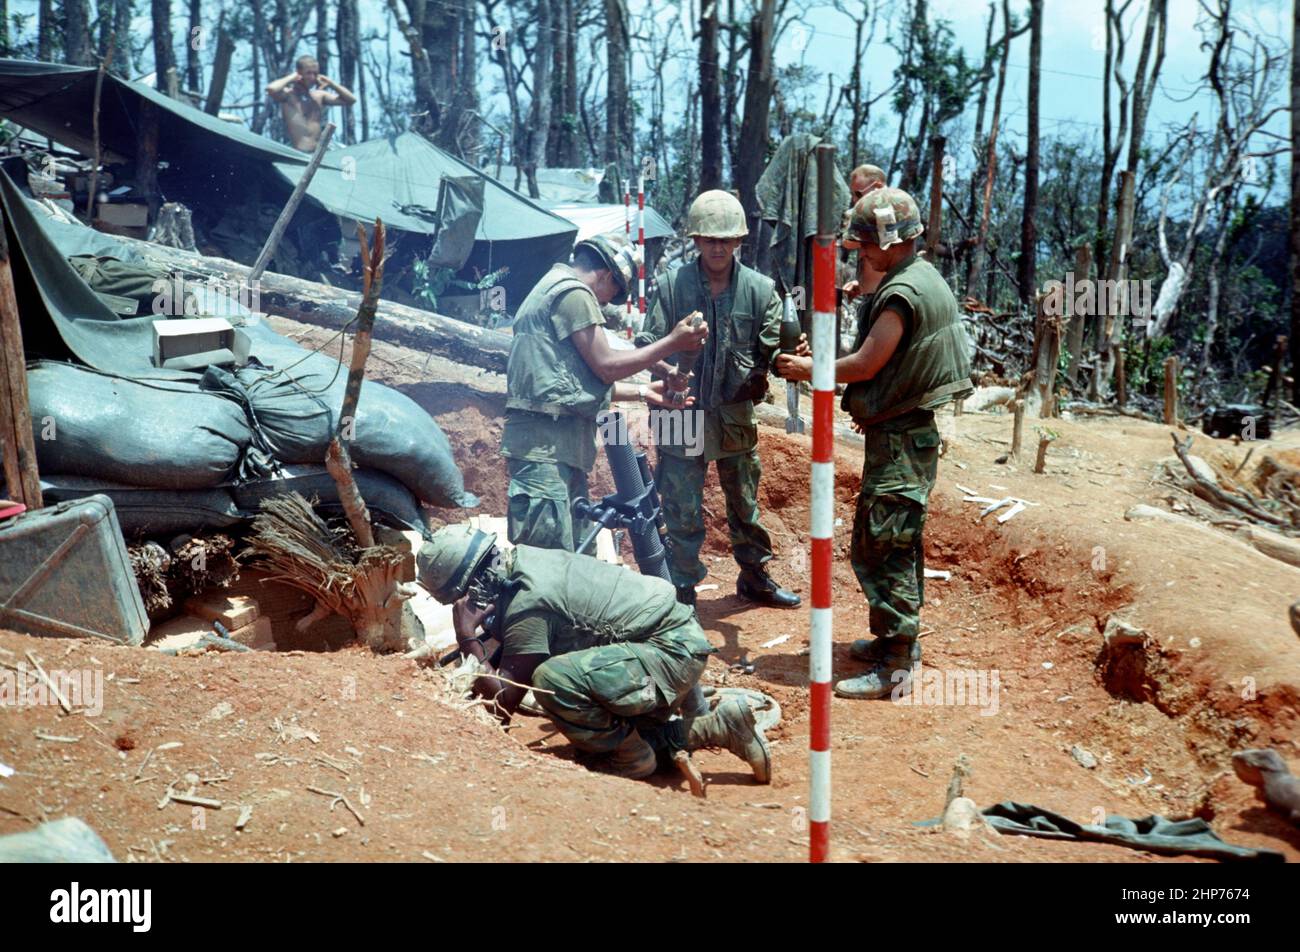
x: 640, y: 241
x: 823, y: 507
x: 627, y: 235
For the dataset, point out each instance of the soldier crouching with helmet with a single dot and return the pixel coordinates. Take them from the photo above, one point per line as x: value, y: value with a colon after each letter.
x: 910, y: 357
x: 610, y: 653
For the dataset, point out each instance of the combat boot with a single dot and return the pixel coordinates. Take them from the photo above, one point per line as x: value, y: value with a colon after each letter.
x: 686, y: 595
x: 757, y: 586
x: 634, y: 759
x: 891, y: 660
x: 872, y: 650
x: 731, y: 726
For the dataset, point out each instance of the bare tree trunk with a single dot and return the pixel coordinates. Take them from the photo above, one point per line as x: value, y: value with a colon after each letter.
x: 220, y: 70
x: 1295, y: 205
x: 710, y: 101
x: 555, y: 90
x: 1028, y: 226
x: 976, y: 265
x: 195, y: 41
x: 539, y: 112
x: 568, y: 150
x: 759, y: 85
x: 123, y: 58
x: 164, y: 56
x: 619, y: 146
x: 468, y: 81
x: 1144, y: 84
x: 1082, y: 270
x: 427, y: 118
x: 78, y: 49
x: 1214, y: 279
x: 729, y: 87
x: 347, y: 35
x: 45, y: 31
x: 323, y: 37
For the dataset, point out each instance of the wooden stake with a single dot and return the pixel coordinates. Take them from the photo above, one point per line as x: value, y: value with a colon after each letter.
x: 16, y: 442
x: 1018, y: 408
x: 1043, y: 442
x: 281, y: 223
x: 99, y: 151
x: 1171, y: 390
x: 337, y: 459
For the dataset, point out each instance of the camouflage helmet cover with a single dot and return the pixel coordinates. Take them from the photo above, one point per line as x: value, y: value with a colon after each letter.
x: 885, y: 217
x: 447, y: 563
x: 621, y: 258
x: 716, y: 214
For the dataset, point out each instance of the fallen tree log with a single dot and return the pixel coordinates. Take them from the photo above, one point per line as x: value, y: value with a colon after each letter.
x: 325, y: 306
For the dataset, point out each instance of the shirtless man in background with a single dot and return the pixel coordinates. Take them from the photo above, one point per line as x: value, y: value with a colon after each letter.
x: 302, y: 96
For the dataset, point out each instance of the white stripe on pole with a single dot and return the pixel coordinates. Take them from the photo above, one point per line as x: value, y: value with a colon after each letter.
x: 823, y: 348
x: 823, y: 488
x: 819, y: 648
x: 819, y: 763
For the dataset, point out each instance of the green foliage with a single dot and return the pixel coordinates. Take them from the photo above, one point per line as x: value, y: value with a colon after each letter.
x: 432, y: 283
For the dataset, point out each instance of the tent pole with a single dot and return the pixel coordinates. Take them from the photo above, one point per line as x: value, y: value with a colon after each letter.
x: 281, y: 223
x: 17, y: 445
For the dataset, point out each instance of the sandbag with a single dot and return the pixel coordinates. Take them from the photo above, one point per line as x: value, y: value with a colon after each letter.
x: 295, y: 405
x: 389, y: 502
x: 142, y: 510
x: 163, y: 433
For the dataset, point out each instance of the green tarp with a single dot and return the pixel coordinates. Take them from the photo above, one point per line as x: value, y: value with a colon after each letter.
x: 787, y: 197
x: 400, y: 179
x: 59, y: 102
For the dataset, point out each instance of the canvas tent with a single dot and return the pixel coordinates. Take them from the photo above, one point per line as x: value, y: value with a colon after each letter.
x: 402, y: 179
x: 554, y: 185
x: 594, y: 220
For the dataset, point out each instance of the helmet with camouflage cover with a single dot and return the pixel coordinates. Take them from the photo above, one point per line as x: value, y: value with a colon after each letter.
x: 447, y: 563
x: 716, y: 214
x: 884, y: 217
x: 621, y: 258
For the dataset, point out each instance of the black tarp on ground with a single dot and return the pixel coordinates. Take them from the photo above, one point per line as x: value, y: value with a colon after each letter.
x: 65, y: 323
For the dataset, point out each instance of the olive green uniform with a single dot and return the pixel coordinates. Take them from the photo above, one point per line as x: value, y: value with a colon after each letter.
x: 730, y: 374
x: 623, y: 652
x: 930, y: 367
x: 552, y: 401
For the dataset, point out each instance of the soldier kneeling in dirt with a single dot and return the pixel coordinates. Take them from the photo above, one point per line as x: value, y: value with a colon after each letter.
x: 610, y: 653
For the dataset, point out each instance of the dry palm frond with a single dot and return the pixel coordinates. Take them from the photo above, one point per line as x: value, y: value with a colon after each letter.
x: 299, y: 549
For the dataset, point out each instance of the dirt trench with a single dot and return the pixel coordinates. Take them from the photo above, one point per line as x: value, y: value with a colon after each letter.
x: 1070, y: 726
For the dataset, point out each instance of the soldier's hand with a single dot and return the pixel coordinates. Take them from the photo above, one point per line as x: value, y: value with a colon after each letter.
x: 688, y: 336
x: 660, y: 395
x: 793, y: 367
x: 679, y: 381
x: 466, y: 619
x: 803, y: 349
x: 852, y: 290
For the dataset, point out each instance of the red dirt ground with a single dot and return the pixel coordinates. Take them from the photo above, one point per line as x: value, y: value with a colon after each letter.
x: 434, y: 782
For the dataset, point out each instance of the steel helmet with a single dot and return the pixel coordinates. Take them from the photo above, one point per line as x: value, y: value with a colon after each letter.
x: 447, y: 562
x: 622, y: 259
x: 885, y: 217
x: 716, y: 214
